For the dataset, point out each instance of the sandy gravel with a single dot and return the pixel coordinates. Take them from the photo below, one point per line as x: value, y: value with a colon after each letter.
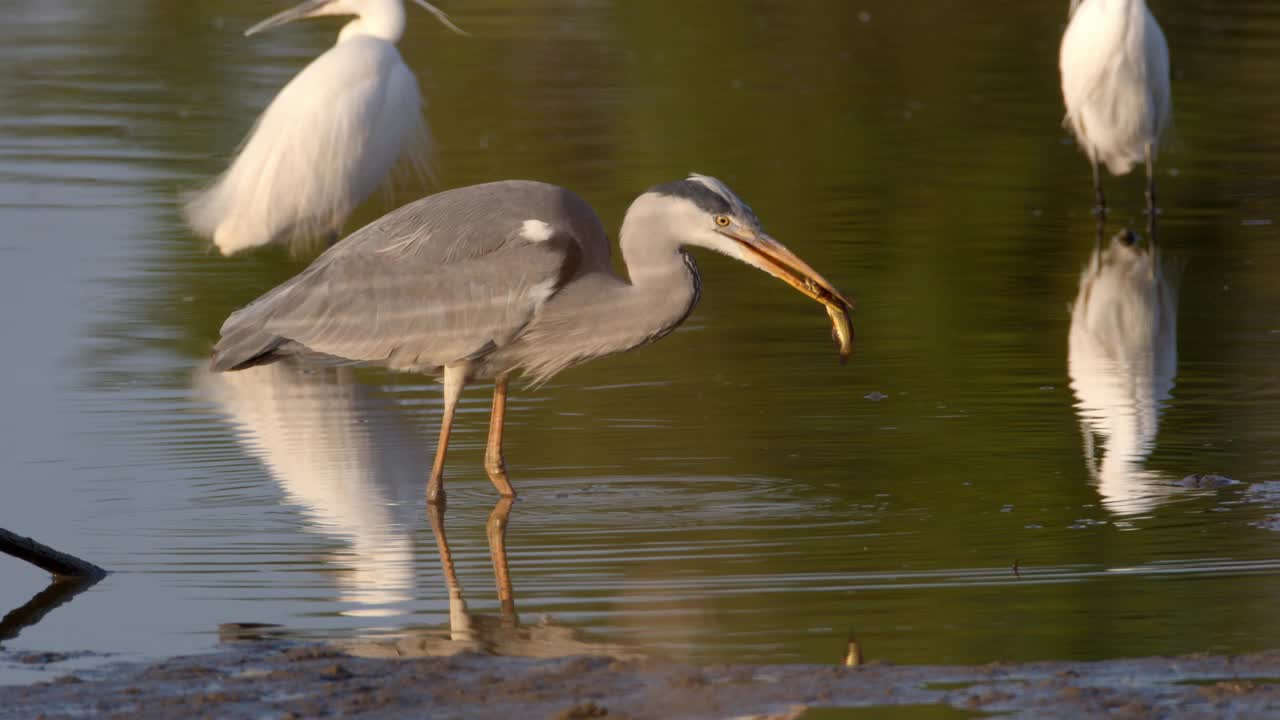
x: 289, y: 680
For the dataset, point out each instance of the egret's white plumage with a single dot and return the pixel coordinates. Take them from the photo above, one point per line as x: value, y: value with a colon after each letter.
x: 1122, y: 359
x: 329, y: 138
x: 1115, y: 83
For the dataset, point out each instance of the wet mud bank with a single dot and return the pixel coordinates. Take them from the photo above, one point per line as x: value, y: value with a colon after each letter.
x: 271, y: 680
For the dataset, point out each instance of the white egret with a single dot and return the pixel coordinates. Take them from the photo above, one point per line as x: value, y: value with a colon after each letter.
x: 1115, y: 83
x: 327, y: 140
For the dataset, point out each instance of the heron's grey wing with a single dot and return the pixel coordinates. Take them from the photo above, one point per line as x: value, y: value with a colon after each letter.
x: 470, y: 222
x: 435, y: 280
x: 389, y: 308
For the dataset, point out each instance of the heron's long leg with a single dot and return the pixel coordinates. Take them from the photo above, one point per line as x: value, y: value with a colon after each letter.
x: 453, y: 381
x: 493, y: 461
x: 497, y: 532
x: 460, y: 626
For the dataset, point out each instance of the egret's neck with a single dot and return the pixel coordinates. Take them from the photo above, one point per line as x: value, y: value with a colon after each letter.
x: 1122, y: 7
x: 383, y: 20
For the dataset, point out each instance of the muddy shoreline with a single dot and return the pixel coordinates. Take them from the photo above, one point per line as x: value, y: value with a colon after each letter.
x: 293, y: 680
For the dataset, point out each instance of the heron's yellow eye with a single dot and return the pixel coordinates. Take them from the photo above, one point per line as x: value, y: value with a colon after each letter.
x: 722, y: 220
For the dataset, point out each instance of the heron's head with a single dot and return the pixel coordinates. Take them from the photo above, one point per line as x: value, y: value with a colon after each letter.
x: 373, y: 10
x: 704, y: 212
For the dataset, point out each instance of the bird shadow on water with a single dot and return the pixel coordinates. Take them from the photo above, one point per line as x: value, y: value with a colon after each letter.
x: 342, y: 451
x: 1122, y: 361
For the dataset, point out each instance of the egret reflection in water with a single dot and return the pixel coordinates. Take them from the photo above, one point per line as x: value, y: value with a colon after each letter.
x: 1122, y: 359
x: 341, y: 451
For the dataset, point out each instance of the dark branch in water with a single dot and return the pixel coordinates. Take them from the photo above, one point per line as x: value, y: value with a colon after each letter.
x: 44, y: 557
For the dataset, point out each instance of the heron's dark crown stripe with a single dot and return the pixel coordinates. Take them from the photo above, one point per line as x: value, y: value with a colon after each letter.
x: 696, y: 193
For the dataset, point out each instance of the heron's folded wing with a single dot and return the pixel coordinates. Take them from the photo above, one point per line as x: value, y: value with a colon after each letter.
x: 370, y: 307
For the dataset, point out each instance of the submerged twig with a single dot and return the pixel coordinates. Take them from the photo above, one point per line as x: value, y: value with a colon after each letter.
x: 46, y: 558
x: 59, y: 592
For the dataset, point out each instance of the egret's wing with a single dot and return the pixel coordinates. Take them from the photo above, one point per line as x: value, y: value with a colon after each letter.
x: 1157, y: 56
x: 323, y: 145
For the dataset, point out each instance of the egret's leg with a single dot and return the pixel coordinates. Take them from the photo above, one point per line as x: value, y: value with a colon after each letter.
x: 453, y: 381
x: 1100, y: 240
x: 497, y: 532
x: 493, y: 461
x: 1097, y: 189
x: 1151, y: 196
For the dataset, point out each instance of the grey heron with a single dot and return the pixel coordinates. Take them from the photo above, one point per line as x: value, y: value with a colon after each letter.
x: 1115, y: 83
x: 512, y: 276
x: 327, y: 140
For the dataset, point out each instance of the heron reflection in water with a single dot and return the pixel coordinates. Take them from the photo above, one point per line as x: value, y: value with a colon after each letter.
x: 514, y: 276
x: 470, y: 631
x: 341, y: 451
x: 329, y: 138
x: 1122, y: 360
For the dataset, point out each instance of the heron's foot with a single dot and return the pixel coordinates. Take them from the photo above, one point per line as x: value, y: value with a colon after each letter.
x: 497, y: 471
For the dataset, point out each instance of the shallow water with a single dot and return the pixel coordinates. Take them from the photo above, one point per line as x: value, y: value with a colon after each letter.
x: 732, y: 492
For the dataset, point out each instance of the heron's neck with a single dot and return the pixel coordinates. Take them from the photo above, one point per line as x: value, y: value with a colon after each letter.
x: 385, y: 20
x: 600, y: 313
x: 665, y: 284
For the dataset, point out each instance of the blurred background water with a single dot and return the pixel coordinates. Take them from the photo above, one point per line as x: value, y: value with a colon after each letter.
x: 730, y: 493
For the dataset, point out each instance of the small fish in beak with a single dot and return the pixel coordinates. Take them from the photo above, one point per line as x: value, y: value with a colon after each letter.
x: 773, y: 257
x: 841, y: 330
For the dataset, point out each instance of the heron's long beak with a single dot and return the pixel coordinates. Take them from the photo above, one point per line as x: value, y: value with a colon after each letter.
x: 309, y: 8
x: 761, y: 251
x: 771, y: 256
